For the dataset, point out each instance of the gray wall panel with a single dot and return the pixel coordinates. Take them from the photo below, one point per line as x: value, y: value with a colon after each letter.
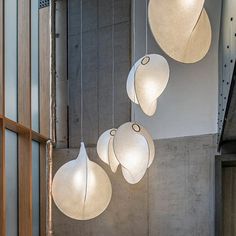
x: 61, y: 75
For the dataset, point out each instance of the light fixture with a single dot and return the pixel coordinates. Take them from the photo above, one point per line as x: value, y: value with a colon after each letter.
x: 81, y: 189
x: 147, y: 80
x: 105, y: 149
x: 134, y: 149
x: 181, y: 28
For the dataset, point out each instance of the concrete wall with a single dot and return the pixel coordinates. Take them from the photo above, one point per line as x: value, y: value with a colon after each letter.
x: 175, y: 198
x: 189, y: 105
x: 97, y: 67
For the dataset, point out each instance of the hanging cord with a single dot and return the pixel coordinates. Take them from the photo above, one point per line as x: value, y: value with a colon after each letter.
x: 113, y: 64
x: 134, y: 48
x: 81, y: 72
x: 146, y: 29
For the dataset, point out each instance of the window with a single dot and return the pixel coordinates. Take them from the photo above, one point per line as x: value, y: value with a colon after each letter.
x: 24, y: 116
x: 36, y: 187
x: 11, y: 166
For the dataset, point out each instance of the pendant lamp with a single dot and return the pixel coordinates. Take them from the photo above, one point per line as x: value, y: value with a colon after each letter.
x: 181, y: 28
x: 134, y: 149
x: 147, y: 80
x: 81, y: 189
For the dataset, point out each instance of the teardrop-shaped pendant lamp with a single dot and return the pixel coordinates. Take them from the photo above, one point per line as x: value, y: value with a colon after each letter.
x: 147, y: 80
x: 81, y: 189
x: 181, y: 28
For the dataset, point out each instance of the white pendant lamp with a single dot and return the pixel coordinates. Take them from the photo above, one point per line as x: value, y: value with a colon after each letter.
x: 149, y: 81
x: 181, y: 28
x: 134, y: 149
x: 147, y: 78
x: 81, y: 189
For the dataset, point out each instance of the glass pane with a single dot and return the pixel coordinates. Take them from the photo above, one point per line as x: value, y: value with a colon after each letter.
x: 11, y: 59
x: 11, y: 184
x: 34, y: 66
x: 35, y: 187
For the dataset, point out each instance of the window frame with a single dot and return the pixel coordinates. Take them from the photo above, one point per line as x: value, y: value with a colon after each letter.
x: 23, y: 127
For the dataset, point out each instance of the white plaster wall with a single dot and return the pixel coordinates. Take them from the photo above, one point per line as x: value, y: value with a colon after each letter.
x: 189, y: 105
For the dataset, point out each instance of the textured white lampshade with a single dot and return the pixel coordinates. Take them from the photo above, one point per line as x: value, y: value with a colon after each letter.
x: 132, y: 151
x: 133, y: 176
x: 81, y: 189
x: 147, y: 80
x: 130, y: 82
x: 151, y: 145
x: 103, y: 143
x: 113, y: 162
x: 181, y: 28
x: 151, y: 78
x: 105, y: 149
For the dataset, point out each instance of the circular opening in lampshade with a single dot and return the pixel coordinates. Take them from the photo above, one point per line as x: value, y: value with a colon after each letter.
x: 145, y: 60
x: 113, y: 132
x: 136, y: 127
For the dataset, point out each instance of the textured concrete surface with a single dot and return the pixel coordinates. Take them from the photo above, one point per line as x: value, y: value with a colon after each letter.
x: 175, y: 198
x: 97, y: 67
x: 181, y: 187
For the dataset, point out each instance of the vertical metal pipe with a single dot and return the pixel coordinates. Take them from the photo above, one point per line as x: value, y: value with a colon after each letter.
x: 52, y: 74
x: 52, y: 140
x: 49, y: 229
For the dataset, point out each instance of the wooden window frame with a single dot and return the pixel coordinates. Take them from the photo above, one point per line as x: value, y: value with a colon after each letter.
x: 25, y: 138
x: 23, y: 127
